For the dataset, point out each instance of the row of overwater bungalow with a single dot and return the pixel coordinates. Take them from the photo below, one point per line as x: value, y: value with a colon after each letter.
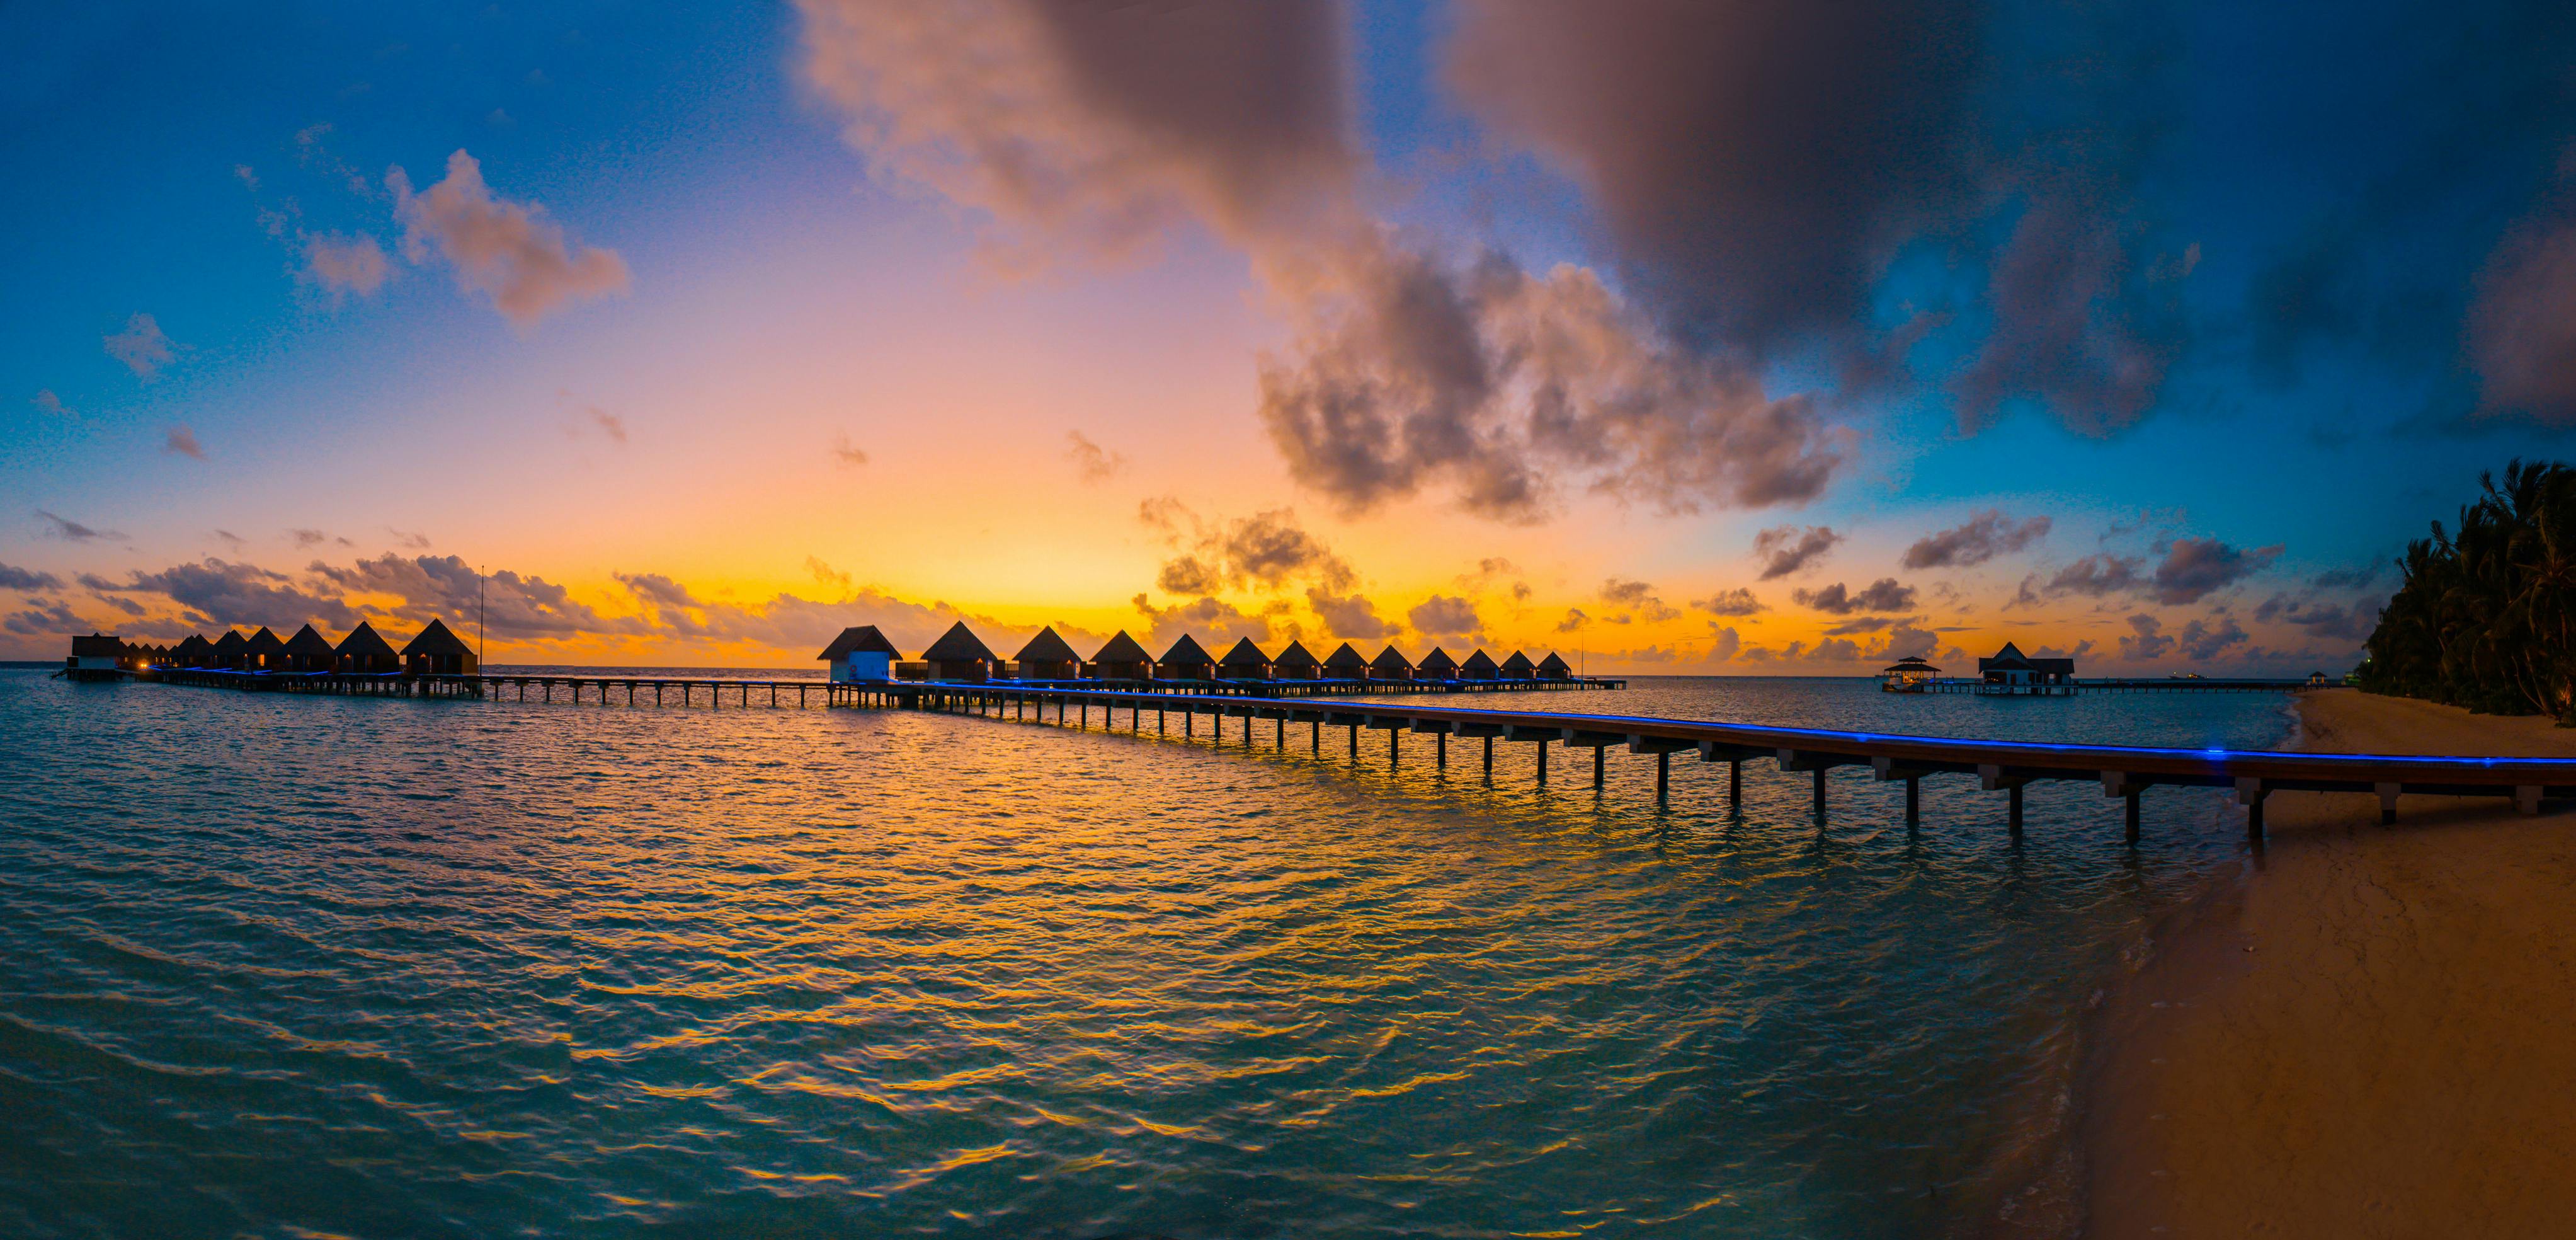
x: 437, y: 651
x: 864, y: 653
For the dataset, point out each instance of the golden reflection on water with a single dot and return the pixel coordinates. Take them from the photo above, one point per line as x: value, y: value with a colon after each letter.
x: 595, y: 970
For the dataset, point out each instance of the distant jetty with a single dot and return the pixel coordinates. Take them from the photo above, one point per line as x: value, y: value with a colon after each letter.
x: 438, y: 663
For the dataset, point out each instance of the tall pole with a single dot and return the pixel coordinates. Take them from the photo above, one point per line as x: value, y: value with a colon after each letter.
x: 478, y: 618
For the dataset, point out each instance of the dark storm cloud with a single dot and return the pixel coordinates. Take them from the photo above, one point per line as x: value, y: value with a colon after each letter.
x: 1986, y: 535
x: 1758, y: 164
x: 1760, y: 168
x: 1091, y: 131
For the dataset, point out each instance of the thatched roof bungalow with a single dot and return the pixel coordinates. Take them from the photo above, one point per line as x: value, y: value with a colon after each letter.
x: 1186, y: 660
x: 959, y: 655
x: 228, y: 650
x: 1389, y: 665
x: 1479, y: 666
x: 1122, y: 659
x: 263, y: 652
x: 1244, y: 662
x: 1048, y: 657
x: 1554, y: 667
x: 365, y: 652
x: 194, y: 652
x: 860, y: 653
x: 1519, y: 667
x: 438, y: 652
x: 308, y: 651
x: 1345, y: 663
x: 1295, y: 663
x: 1436, y: 665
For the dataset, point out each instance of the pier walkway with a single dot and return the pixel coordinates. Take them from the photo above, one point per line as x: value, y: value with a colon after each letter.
x: 2126, y: 772
x: 1999, y: 766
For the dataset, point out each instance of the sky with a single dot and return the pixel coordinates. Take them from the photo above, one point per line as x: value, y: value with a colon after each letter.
x: 1712, y: 339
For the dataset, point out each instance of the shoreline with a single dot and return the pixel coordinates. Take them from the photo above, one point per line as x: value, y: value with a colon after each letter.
x: 2362, y: 1031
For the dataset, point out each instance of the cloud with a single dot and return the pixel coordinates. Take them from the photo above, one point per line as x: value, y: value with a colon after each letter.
x: 507, y: 251
x: 1788, y: 549
x: 13, y: 578
x: 1723, y: 643
x: 1187, y: 575
x: 1214, y: 622
x: 609, y: 424
x: 1493, y: 382
x: 1443, y: 615
x: 1761, y: 168
x: 1882, y: 595
x: 1757, y: 165
x: 408, y: 540
x: 1736, y: 602
x: 46, y: 402
x: 2194, y: 568
x: 234, y: 593
x: 1574, y: 620
x: 73, y: 531
x: 825, y: 574
x: 2360, y: 578
x: 446, y: 587
x: 2202, y: 641
x: 1269, y: 548
x: 46, y: 618
x: 345, y: 265
x: 847, y: 453
x: 2146, y: 640
x: 2098, y: 575
x: 2350, y: 623
x: 1986, y: 535
x: 1094, y: 131
x: 1091, y: 461
x: 1639, y: 595
x: 231, y: 539
x: 2519, y: 333
x: 141, y: 346
x: 181, y: 441
x: 1349, y: 617
x: 308, y: 537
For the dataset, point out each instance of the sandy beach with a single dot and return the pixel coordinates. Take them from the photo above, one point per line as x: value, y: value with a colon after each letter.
x: 2369, y: 1036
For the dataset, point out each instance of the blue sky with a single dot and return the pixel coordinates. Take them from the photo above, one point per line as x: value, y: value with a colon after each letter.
x: 2284, y: 278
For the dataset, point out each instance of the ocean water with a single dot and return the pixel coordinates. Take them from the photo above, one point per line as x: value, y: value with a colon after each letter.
x: 289, y: 966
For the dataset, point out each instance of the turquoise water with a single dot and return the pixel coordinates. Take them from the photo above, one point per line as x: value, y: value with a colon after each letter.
x: 279, y: 966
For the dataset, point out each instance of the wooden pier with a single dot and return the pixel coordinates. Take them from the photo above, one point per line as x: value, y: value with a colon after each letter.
x: 2169, y: 684
x: 716, y: 691
x: 2127, y: 772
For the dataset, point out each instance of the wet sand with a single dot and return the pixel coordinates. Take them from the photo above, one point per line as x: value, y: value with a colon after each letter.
x: 2374, y: 1034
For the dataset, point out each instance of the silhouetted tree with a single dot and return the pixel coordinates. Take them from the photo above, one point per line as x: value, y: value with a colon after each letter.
x: 2485, y: 616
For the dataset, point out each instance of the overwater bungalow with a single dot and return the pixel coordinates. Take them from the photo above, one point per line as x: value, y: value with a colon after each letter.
x: 227, y: 650
x: 309, y: 651
x: 1436, y: 665
x: 1122, y: 659
x: 438, y: 652
x: 1389, y: 665
x: 960, y: 656
x: 1048, y: 657
x: 1186, y: 660
x: 1295, y: 663
x: 1911, y: 674
x: 97, y: 652
x: 263, y: 652
x: 194, y: 652
x: 1345, y: 663
x: 1244, y: 661
x: 860, y: 653
x: 1519, y: 667
x: 1479, y: 666
x: 2012, y: 673
x: 365, y: 652
x: 1554, y: 667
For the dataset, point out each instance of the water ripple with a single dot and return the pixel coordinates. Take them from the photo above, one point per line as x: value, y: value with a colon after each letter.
x: 388, y: 968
